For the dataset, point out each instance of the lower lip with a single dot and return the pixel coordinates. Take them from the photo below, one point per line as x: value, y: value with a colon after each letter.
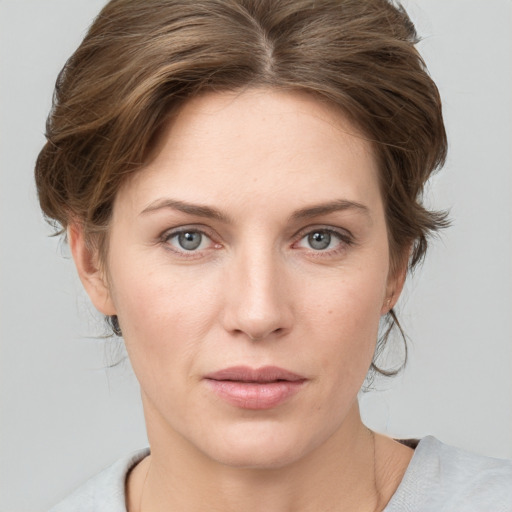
x: 253, y: 395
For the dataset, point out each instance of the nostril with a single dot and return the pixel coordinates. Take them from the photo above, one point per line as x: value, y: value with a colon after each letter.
x: 258, y: 316
x: 262, y: 336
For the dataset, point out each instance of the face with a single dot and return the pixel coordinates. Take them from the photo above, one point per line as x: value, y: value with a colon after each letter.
x: 248, y: 265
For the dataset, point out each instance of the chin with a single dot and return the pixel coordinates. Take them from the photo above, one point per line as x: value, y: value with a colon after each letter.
x: 257, y: 446
x: 257, y: 457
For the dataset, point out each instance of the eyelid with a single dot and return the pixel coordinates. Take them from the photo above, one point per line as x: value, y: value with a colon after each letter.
x: 344, y: 234
x: 345, y: 237
x: 196, y: 228
x: 172, y: 232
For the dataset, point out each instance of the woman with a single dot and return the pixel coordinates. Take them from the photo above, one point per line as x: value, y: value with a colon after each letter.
x: 240, y: 183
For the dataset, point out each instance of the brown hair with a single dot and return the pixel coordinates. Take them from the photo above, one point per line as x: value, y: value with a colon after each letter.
x: 140, y: 61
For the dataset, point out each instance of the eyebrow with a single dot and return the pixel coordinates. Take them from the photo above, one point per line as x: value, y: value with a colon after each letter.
x: 189, y: 208
x: 330, y: 207
x: 213, y: 213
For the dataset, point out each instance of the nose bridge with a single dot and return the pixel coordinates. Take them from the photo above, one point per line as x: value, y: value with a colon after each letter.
x: 257, y: 301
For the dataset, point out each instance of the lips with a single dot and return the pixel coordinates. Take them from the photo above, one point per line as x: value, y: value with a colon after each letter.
x: 256, y: 389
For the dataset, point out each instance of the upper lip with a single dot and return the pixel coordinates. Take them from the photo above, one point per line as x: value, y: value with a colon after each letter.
x: 247, y: 374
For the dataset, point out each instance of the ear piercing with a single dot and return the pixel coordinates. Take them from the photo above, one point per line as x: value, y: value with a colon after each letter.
x: 114, y: 323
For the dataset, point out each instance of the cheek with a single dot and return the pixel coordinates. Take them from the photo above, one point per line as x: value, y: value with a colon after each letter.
x: 346, y: 315
x: 158, y: 312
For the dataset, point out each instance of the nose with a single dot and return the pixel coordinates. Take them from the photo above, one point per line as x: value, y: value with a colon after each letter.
x: 258, y: 303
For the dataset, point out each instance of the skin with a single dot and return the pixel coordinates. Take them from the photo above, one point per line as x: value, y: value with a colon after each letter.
x: 275, y: 167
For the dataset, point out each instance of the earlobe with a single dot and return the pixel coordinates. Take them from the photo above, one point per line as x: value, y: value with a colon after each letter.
x: 89, y: 270
x: 395, y: 284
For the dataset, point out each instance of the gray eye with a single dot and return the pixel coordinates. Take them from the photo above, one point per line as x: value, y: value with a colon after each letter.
x: 319, y: 240
x: 190, y: 240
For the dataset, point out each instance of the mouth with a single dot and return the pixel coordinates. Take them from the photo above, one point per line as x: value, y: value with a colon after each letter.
x: 255, y: 389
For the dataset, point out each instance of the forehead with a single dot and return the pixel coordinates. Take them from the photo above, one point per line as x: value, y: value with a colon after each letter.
x: 258, y: 143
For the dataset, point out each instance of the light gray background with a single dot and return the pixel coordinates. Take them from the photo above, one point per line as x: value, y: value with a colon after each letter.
x: 64, y: 417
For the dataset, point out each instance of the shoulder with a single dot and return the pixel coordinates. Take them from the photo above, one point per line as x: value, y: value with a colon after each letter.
x: 105, y: 491
x: 444, y: 478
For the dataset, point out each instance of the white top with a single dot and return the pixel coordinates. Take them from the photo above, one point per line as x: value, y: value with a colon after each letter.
x: 439, y: 478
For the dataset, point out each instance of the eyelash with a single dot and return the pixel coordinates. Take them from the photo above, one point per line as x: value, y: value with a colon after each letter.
x: 167, y: 236
x: 344, y: 237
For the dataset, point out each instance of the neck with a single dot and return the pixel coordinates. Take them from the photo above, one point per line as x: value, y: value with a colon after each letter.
x: 345, y: 473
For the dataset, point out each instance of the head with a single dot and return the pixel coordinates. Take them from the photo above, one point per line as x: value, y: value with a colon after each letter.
x: 169, y: 96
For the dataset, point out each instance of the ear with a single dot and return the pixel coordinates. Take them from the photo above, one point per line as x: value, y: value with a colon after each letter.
x: 91, y: 274
x: 395, y: 283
